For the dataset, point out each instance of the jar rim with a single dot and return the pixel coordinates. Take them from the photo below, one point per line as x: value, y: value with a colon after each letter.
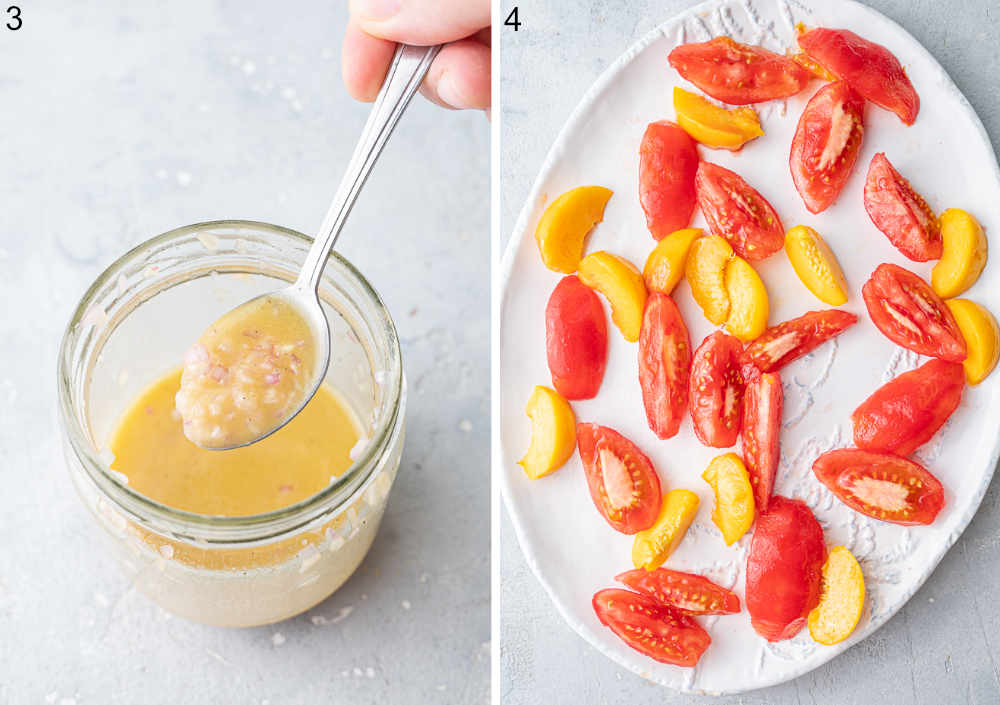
x: 252, y: 527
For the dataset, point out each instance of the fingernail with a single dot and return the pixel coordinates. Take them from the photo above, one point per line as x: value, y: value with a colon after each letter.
x: 376, y: 10
x: 448, y: 92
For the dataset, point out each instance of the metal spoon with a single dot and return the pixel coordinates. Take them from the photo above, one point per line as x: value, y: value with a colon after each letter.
x: 409, y: 65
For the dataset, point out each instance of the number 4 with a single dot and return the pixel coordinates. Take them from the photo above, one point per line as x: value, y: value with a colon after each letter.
x: 512, y: 20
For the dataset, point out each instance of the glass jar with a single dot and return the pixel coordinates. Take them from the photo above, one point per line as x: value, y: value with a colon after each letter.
x: 132, y: 327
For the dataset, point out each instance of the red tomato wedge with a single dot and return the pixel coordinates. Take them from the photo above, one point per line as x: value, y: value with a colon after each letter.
x: 762, y: 405
x: 906, y: 412
x: 788, y: 341
x: 668, y: 160
x: 738, y: 74
x: 664, y: 365
x: 736, y: 211
x: 901, y: 213
x: 882, y: 486
x: 826, y: 144
x: 908, y: 312
x: 716, y: 396
x: 688, y: 593
x: 784, y: 569
x: 870, y: 68
x: 622, y: 482
x: 651, y: 628
x: 576, y: 339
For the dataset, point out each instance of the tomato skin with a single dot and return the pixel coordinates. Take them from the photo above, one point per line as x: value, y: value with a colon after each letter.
x: 908, y: 312
x: 645, y: 495
x: 716, y: 391
x: 738, y: 74
x: 737, y: 212
x: 664, y: 365
x: 901, y: 213
x: 906, y: 412
x: 762, y: 407
x: 881, y: 485
x: 668, y: 160
x: 788, y: 341
x: 654, y: 629
x: 686, y: 592
x: 576, y: 339
x: 784, y: 569
x: 870, y: 68
x: 826, y: 144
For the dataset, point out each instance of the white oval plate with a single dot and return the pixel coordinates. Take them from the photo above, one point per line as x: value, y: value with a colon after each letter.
x: 947, y: 156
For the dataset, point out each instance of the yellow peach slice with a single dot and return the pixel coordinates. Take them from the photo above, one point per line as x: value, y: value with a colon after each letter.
x: 734, y: 503
x: 622, y: 285
x: 748, y: 302
x: 654, y: 545
x: 964, y: 254
x: 982, y: 338
x: 565, y: 224
x: 713, y: 126
x: 842, y: 600
x: 553, y: 433
x: 665, y: 264
x: 706, y: 273
x: 814, y: 262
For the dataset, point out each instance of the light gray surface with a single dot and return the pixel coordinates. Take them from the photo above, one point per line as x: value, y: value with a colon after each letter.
x: 122, y: 120
x: 942, y: 647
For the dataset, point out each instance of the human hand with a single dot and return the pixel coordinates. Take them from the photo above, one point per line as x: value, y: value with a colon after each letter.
x: 460, y: 75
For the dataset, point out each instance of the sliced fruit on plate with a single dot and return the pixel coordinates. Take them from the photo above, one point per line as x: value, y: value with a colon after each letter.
x: 815, y: 264
x: 706, y: 274
x: 665, y: 264
x: 901, y: 213
x: 622, y: 482
x: 738, y: 212
x: 565, y: 225
x: 964, y: 254
x: 811, y: 65
x: 982, y: 338
x: 713, y: 126
x: 688, y: 593
x: 906, y: 412
x: 841, y: 601
x: 736, y: 73
x: 734, y: 503
x: 748, y: 302
x: 576, y: 339
x: 664, y: 365
x: 623, y: 287
x: 652, y: 547
x: 784, y: 569
x: 870, y: 68
x: 716, y: 391
x: 668, y: 160
x: 653, y: 629
x: 553, y: 433
x: 882, y: 486
x: 908, y: 312
x: 826, y: 144
x: 789, y: 341
x: 763, y: 400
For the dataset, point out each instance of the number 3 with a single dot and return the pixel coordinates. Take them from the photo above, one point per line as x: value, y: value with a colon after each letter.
x: 15, y: 15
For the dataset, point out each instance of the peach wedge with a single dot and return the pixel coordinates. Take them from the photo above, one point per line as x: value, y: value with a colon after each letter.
x: 665, y: 264
x: 623, y: 287
x: 654, y: 545
x: 553, y: 433
x: 713, y: 126
x: 734, y: 503
x: 842, y: 600
x: 565, y: 224
x: 982, y: 338
x: 814, y: 263
x: 964, y: 254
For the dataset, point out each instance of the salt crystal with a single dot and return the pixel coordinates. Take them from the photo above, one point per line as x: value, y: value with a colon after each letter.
x: 107, y: 456
x: 327, y: 53
x: 122, y: 378
x: 288, y: 93
x: 183, y: 178
x: 249, y: 68
x: 95, y: 316
x: 208, y: 240
x: 370, y: 672
x: 240, y: 245
x: 465, y: 425
x: 100, y: 599
x: 161, y: 173
x: 930, y: 599
x: 278, y: 639
x: 424, y: 577
x: 406, y: 604
x: 442, y: 687
x: 297, y: 106
x: 51, y: 697
x: 358, y: 672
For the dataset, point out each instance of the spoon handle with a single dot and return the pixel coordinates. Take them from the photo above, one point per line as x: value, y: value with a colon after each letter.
x: 407, y: 70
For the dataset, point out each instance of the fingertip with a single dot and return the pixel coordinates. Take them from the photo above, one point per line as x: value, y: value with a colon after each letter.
x: 364, y: 62
x: 460, y: 76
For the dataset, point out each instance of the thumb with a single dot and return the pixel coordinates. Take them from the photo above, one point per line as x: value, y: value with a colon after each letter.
x: 421, y: 22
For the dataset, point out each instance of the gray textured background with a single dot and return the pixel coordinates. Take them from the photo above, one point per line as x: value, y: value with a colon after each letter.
x: 121, y: 120
x: 944, y: 645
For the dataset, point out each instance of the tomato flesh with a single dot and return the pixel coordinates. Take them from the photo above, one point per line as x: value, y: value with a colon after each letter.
x: 736, y: 73
x: 906, y: 412
x: 621, y: 479
x: 826, y: 144
x: 668, y: 160
x: 784, y: 569
x: 716, y: 390
x: 688, y: 593
x: 653, y: 629
x: 762, y: 406
x: 664, y: 365
x: 882, y: 486
x: 788, y: 341
x: 908, y: 312
x: 736, y: 211
x: 576, y: 339
x: 870, y: 69
x: 901, y: 213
